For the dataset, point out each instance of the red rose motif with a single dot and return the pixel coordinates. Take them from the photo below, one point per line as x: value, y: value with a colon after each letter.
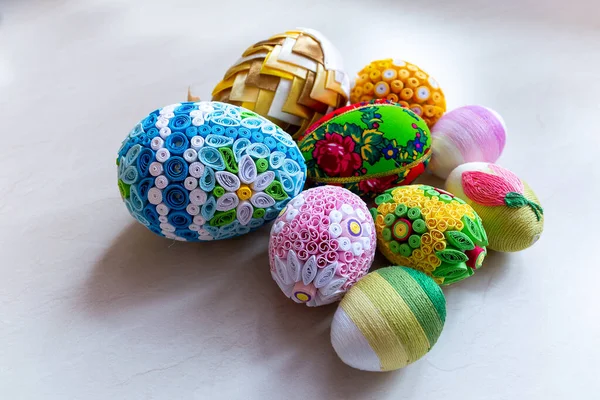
x: 377, y: 185
x: 335, y: 155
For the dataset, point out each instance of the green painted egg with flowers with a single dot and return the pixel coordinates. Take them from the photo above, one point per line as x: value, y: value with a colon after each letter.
x: 367, y: 147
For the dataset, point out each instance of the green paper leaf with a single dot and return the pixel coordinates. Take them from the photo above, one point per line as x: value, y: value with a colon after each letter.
x: 482, y: 232
x: 471, y: 229
x: 459, y: 240
x: 517, y: 200
x: 451, y: 256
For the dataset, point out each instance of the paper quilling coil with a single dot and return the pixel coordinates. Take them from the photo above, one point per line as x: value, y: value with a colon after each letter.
x: 423, y: 237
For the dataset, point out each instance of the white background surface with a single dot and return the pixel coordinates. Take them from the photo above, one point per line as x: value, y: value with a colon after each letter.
x: 92, y: 306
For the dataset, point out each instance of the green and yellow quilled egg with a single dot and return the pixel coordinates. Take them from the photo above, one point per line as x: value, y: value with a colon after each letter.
x: 431, y: 230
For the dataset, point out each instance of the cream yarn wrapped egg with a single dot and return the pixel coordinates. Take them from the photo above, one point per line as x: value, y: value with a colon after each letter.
x: 509, y: 209
x: 293, y: 79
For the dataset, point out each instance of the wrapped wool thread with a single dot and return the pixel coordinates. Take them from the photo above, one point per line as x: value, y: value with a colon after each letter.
x: 389, y: 319
x: 510, y: 211
x: 466, y: 134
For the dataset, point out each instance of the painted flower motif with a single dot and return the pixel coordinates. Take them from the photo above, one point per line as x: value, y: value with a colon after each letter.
x: 377, y: 185
x: 335, y: 155
x: 503, y: 188
x: 390, y: 152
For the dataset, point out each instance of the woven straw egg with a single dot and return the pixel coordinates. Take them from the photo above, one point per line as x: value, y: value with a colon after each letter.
x: 293, y: 79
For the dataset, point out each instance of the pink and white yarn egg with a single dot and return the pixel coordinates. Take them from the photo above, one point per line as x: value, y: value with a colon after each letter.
x: 466, y: 134
x: 321, y: 244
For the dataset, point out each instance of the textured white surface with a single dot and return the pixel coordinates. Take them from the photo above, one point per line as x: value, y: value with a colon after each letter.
x: 92, y: 306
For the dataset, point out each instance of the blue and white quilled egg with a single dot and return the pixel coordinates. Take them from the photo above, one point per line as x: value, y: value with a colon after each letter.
x: 200, y: 171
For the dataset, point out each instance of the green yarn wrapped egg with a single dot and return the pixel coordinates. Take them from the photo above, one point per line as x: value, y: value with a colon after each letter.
x: 367, y: 147
x: 388, y: 319
x: 510, y: 211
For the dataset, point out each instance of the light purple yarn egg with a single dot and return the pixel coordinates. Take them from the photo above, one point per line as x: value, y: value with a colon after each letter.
x: 466, y: 134
x: 321, y: 244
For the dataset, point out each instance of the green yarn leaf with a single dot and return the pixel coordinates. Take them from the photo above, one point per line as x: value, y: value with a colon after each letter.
x: 451, y: 256
x: 459, y: 240
x: 537, y: 209
x: 517, y: 200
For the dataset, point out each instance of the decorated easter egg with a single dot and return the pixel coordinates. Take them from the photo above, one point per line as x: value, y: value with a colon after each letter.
x: 367, y: 147
x: 510, y: 211
x: 400, y: 82
x: 322, y: 243
x: 429, y: 229
x: 207, y: 170
x: 389, y: 319
x: 466, y: 134
x: 293, y: 79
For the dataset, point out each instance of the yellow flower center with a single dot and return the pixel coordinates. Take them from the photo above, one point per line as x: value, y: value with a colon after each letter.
x: 244, y: 192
